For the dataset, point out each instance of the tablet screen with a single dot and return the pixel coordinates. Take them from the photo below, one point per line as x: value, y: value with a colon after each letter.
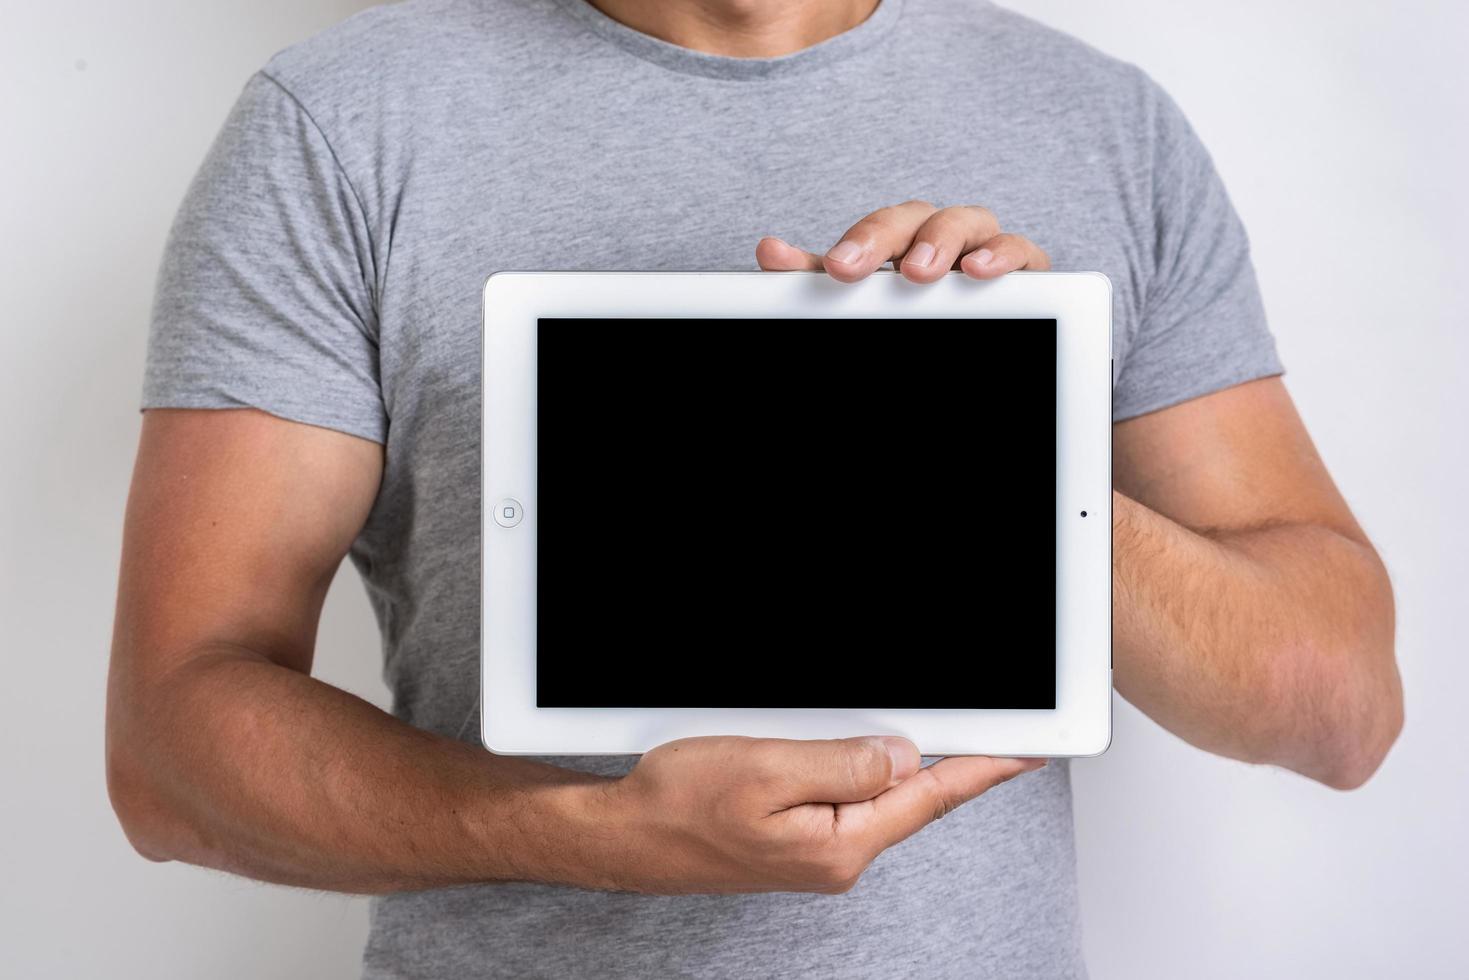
x: 796, y: 513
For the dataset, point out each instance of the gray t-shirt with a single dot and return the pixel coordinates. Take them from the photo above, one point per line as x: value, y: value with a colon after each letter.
x: 327, y: 264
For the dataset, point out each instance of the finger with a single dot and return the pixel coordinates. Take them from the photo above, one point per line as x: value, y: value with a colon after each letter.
x: 884, y: 234
x: 775, y: 255
x: 838, y: 770
x: 1002, y: 254
x: 929, y: 794
x: 943, y: 237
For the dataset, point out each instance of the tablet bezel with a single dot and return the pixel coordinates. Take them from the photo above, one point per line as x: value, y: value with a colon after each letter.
x: 1080, y: 302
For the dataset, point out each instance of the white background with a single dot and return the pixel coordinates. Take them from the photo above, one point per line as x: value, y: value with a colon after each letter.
x: 1340, y: 128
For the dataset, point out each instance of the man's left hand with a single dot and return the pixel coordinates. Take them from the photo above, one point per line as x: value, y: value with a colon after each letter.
x: 923, y: 242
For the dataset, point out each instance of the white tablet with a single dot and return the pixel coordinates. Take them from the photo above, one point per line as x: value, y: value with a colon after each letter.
x: 773, y: 504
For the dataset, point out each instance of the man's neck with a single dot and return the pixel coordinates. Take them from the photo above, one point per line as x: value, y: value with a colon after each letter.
x: 740, y: 28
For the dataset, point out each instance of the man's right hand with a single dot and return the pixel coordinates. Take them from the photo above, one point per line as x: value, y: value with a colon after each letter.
x: 734, y: 814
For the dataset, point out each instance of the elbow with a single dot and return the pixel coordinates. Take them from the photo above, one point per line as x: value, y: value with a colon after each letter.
x: 139, y: 807
x: 1354, y: 753
x: 1342, y: 700
x: 1369, y: 716
x: 1360, y: 701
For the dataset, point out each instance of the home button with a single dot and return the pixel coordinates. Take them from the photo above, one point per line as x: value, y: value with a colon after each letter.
x: 508, y: 512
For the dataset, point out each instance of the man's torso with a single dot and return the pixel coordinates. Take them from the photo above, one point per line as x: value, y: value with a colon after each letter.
x: 491, y: 136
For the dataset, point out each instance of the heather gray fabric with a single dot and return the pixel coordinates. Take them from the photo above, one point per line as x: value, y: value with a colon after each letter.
x: 327, y: 263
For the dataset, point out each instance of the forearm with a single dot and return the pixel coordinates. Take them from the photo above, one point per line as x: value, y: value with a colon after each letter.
x: 1268, y: 645
x: 236, y: 763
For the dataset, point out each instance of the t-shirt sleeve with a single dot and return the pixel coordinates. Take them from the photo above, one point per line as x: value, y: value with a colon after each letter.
x: 265, y: 297
x: 1202, y: 324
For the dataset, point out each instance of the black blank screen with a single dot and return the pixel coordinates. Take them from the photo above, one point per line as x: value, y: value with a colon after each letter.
x: 796, y: 513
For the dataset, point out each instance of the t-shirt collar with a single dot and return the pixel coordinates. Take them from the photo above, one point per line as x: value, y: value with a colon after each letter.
x: 688, y: 61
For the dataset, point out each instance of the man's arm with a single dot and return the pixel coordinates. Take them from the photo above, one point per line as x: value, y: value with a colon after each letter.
x: 223, y: 751
x: 1251, y: 615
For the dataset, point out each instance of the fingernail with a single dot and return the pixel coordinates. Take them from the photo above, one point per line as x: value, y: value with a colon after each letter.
x: 982, y: 257
x: 845, y: 252
x: 920, y: 255
x: 906, y: 759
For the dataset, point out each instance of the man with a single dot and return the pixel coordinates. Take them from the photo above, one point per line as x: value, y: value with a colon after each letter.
x: 312, y: 391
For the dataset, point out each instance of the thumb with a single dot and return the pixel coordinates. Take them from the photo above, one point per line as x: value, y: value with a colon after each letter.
x: 937, y: 790
x: 846, y: 770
